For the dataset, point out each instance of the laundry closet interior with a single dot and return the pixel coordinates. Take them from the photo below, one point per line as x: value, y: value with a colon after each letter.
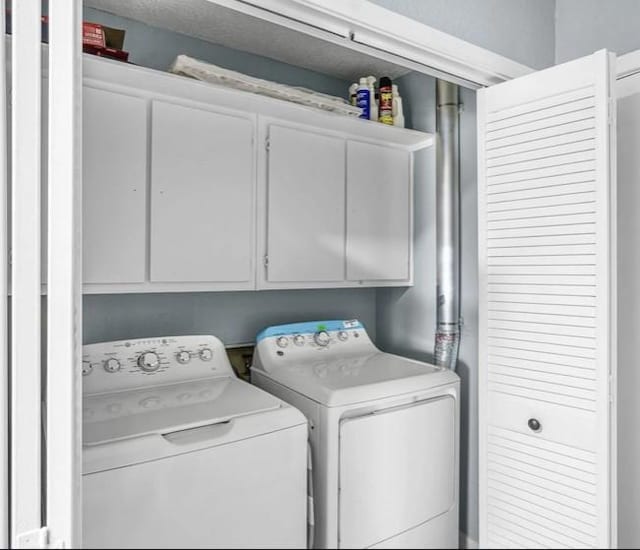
x: 226, y: 230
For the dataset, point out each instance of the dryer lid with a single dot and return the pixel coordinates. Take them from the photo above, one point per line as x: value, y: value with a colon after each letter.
x: 357, y: 378
x: 163, y: 409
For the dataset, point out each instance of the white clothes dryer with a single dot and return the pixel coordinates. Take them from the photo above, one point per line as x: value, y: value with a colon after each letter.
x: 384, y: 434
x: 180, y: 453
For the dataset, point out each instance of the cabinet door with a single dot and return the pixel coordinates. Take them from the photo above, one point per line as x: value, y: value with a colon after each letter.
x: 202, y: 196
x: 547, y: 276
x: 114, y: 168
x: 379, y: 213
x: 306, y: 200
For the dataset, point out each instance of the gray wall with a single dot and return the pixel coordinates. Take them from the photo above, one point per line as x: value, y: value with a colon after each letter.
x: 235, y: 317
x: 585, y: 26
x: 522, y: 30
x: 406, y: 317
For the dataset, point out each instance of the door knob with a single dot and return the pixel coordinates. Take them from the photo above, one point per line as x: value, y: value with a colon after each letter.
x: 534, y: 425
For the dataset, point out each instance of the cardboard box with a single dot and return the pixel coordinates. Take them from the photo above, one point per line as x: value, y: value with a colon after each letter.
x: 111, y: 53
x: 100, y: 36
x: 103, y: 41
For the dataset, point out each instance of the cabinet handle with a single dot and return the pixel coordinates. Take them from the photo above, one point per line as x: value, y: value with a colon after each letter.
x: 534, y: 425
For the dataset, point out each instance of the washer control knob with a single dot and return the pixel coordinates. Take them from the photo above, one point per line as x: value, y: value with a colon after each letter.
x: 206, y: 354
x: 343, y: 335
x: 298, y: 340
x: 112, y: 365
x: 183, y: 357
x: 149, y: 361
x: 87, y: 368
x: 321, y: 338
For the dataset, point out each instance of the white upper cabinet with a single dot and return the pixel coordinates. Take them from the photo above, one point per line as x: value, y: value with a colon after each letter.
x: 202, y: 196
x: 114, y: 187
x: 195, y: 187
x: 337, y: 212
x: 305, y: 207
x: 379, y: 213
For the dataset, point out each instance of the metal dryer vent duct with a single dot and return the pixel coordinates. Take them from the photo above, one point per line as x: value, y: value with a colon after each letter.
x: 447, y: 224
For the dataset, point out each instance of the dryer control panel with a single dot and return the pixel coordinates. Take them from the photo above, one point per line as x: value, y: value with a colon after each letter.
x: 315, y: 340
x: 131, y: 364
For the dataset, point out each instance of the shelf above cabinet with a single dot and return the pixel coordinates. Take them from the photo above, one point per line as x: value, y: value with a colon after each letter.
x: 152, y: 83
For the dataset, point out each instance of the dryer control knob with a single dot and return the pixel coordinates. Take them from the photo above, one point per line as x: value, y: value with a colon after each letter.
x: 321, y: 338
x: 343, y: 335
x: 87, y: 368
x: 149, y: 361
x: 282, y: 342
x: 206, y: 354
x: 183, y: 357
x: 112, y: 365
x: 298, y: 340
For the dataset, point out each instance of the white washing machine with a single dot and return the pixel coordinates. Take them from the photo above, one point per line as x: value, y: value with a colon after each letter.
x: 384, y: 435
x: 180, y: 453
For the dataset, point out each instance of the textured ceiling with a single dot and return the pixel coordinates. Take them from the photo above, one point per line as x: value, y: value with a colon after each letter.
x: 219, y: 25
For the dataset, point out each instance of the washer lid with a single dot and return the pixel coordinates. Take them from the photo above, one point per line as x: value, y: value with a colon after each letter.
x: 164, y: 409
x: 357, y: 378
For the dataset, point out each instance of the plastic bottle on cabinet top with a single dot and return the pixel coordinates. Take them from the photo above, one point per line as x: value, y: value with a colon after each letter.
x: 353, y: 89
x: 397, y: 110
x: 363, y: 98
x: 373, y: 111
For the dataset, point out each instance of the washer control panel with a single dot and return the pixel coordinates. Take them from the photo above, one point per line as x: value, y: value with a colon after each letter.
x: 299, y: 340
x: 131, y: 364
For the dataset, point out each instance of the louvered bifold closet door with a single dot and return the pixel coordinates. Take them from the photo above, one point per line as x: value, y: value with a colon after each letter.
x: 546, y: 351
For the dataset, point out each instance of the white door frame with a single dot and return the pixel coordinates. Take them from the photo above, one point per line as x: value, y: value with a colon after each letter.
x: 4, y: 325
x: 628, y: 64
x: 53, y: 437
x: 25, y: 273
x: 64, y: 283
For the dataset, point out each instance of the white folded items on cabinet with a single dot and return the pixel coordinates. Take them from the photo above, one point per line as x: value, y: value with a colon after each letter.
x: 194, y: 68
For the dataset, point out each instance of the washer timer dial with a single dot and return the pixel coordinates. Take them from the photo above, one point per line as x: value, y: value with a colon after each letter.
x: 149, y: 361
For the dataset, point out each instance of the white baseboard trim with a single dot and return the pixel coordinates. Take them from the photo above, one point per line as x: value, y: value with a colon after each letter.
x: 467, y: 542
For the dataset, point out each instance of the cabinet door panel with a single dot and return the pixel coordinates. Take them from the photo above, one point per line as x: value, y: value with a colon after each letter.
x: 306, y: 197
x: 114, y: 170
x: 378, y: 213
x: 202, y: 196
